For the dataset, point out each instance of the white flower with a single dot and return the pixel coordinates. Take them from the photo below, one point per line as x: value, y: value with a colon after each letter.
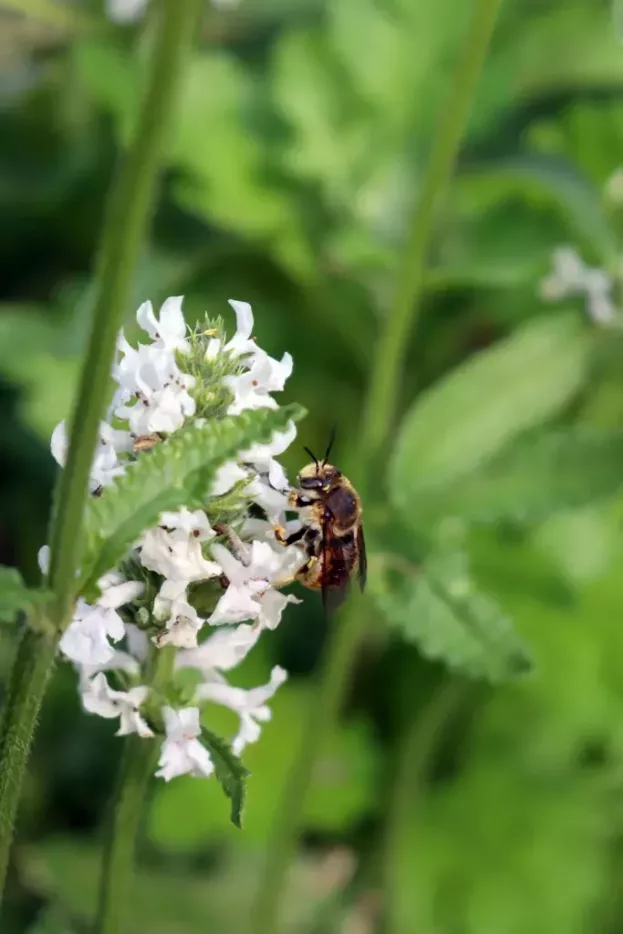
x: 86, y: 638
x: 183, y: 621
x: 175, y: 551
x: 105, y: 465
x: 262, y: 456
x: 249, y: 705
x: 571, y: 276
x: 182, y: 753
x: 151, y: 376
x: 169, y: 332
x: 99, y: 698
x: 241, y: 342
x: 250, y: 594
x: 119, y: 661
x: 227, y: 476
x: 251, y: 390
x: 224, y: 649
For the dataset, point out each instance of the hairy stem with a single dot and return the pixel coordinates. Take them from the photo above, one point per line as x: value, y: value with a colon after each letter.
x: 130, y: 205
x: 31, y: 669
x: 137, y: 767
x: 378, y: 413
x: 129, y: 209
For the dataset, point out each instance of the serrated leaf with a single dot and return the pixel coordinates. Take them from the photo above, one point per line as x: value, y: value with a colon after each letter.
x: 229, y: 771
x: 533, y: 479
x: 173, y: 474
x: 466, y: 418
x: 15, y: 595
x: 438, y: 607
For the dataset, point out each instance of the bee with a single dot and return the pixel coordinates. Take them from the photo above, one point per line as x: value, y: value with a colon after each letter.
x: 145, y: 442
x: 331, y: 533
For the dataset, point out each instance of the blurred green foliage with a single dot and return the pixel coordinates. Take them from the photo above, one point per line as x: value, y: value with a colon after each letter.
x: 495, y: 537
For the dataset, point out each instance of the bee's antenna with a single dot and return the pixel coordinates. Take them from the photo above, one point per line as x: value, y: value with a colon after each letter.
x: 314, y: 458
x: 329, y: 445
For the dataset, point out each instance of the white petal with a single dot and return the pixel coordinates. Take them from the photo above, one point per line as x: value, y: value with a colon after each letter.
x: 244, y: 327
x: 235, y: 606
x: 227, y: 476
x: 43, y: 559
x: 172, y: 324
x: 264, y: 453
x: 138, y: 643
x: 146, y: 319
x: 223, y: 650
x: 113, y: 597
x: 273, y: 603
x: 59, y: 443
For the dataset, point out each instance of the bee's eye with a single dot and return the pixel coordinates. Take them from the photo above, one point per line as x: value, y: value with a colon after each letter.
x: 311, y: 483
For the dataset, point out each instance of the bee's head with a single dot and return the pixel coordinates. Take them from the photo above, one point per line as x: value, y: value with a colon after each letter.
x: 318, y: 478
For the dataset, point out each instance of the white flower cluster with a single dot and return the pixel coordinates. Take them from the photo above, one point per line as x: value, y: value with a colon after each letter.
x: 154, y: 398
x: 570, y: 276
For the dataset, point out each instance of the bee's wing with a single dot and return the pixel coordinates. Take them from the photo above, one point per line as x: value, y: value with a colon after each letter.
x: 335, y: 570
x: 363, y: 558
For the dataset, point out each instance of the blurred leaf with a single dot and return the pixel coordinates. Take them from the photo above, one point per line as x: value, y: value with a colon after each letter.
x: 469, y: 415
x: 537, y: 476
x: 438, y: 607
x: 174, y: 472
x: 57, y: 15
x: 539, y: 179
x: 186, y: 815
x: 15, y: 595
x: 229, y: 771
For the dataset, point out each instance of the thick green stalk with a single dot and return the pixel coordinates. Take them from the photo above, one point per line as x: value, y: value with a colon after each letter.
x: 378, y: 413
x: 393, y: 346
x: 130, y: 207
x: 32, y: 665
x: 137, y: 767
x: 420, y: 741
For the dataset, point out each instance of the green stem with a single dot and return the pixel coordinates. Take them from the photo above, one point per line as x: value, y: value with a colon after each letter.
x: 421, y: 740
x: 29, y: 676
x: 382, y: 392
x: 393, y: 344
x: 130, y: 206
x: 137, y: 767
x: 322, y: 710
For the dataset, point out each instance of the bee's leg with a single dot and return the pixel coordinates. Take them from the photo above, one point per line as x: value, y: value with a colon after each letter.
x: 298, y: 500
x: 284, y: 539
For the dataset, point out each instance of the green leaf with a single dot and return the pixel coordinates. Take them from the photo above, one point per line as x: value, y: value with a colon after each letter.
x: 175, y: 473
x: 535, y: 478
x: 438, y: 607
x: 547, y: 180
x: 470, y: 415
x: 229, y: 771
x: 15, y: 595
